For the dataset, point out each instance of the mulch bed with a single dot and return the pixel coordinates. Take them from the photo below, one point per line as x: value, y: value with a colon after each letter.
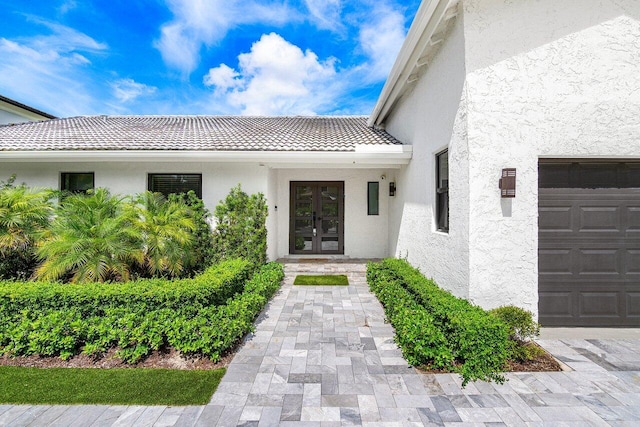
x: 172, y: 359
x: 161, y: 359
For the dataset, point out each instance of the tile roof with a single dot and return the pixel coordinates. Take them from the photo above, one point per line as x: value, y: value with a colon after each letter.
x: 197, y: 133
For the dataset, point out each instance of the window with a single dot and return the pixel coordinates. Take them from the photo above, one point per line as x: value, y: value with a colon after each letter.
x: 442, y: 191
x: 175, y: 183
x: 373, y: 198
x: 76, y: 182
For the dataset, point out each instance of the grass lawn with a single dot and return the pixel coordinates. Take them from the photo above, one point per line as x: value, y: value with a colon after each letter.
x: 327, y: 280
x: 107, y: 386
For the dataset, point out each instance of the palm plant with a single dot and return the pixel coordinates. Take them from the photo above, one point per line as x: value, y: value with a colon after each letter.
x: 24, y: 214
x: 166, y: 228
x: 92, y: 238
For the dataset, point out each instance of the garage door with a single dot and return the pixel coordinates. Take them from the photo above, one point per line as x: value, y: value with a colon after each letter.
x: 589, y: 244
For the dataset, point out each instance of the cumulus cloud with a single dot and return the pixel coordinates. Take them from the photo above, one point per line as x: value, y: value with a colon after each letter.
x: 380, y: 39
x: 126, y: 90
x: 325, y: 14
x: 276, y: 77
x: 48, y: 70
x: 199, y: 23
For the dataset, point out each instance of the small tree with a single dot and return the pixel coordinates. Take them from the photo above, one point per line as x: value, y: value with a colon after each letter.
x: 241, y: 230
x: 166, y: 228
x: 92, y: 238
x: 24, y: 215
x: 202, y: 251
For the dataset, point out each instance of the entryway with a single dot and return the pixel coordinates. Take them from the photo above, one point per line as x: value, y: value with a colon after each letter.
x: 316, y: 217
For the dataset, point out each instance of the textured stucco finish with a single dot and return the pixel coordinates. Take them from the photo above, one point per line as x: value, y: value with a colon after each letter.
x: 542, y: 79
x: 432, y: 118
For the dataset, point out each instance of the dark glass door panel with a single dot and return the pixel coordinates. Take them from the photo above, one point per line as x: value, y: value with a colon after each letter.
x: 317, y: 216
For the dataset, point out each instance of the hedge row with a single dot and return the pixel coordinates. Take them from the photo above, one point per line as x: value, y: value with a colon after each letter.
x: 137, y: 329
x: 463, y: 336
x: 212, y: 287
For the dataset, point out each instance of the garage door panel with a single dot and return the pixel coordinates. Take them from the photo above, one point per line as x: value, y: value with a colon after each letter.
x: 599, y: 218
x: 633, y: 305
x: 589, y: 244
x: 555, y: 261
x: 632, y: 261
x: 557, y: 304
x: 598, y: 262
x: 633, y: 219
x: 599, y: 304
x: 555, y: 218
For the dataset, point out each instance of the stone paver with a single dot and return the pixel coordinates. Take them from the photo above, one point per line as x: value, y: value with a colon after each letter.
x: 324, y: 356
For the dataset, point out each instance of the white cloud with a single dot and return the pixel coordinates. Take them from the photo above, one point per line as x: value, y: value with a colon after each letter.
x: 48, y: 71
x: 276, y: 77
x: 380, y: 39
x: 199, y: 23
x: 126, y: 90
x: 67, y: 6
x: 325, y: 14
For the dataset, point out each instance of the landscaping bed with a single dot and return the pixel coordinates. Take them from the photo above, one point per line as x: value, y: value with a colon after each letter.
x: 439, y: 332
x: 109, y: 324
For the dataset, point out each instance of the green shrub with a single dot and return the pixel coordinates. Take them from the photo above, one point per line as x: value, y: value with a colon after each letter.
x: 421, y: 342
x: 241, y: 230
x: 477, y: 340
x: 522, y: 330
x: 205, y: 315
x: 213, y: 287
x: 202, y: 252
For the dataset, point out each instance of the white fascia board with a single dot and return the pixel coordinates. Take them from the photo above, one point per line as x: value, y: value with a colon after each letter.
x: 29, y: 115
x: 371, y: 155
x: 424, y: 25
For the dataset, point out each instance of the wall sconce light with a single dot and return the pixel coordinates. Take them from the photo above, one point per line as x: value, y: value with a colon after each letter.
x: 392, y: 189
x: 507, y: 183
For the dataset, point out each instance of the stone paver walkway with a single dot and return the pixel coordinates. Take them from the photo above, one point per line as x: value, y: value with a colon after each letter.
x: 323, y: 356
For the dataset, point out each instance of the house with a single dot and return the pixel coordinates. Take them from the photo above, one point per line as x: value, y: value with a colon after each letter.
x: 12, y: 112
x: 502, y: 158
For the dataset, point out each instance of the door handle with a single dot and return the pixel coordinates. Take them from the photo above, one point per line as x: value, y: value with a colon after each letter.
x: 315, y: 230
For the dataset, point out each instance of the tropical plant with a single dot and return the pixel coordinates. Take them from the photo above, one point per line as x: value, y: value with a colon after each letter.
x: 166, y: 228
x: 24, y: 215
x: 92, y: 238
x: 241, y: 230
x: 202, y: 251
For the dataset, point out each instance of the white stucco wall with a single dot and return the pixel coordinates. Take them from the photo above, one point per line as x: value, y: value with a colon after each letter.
x: 432, y: 117
x: 365, y: 235
x: 545, y: 79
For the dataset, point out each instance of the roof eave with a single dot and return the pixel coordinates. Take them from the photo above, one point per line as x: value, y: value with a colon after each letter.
x: 419, y: 40
x: 364, y: 155
x: 24, y: 110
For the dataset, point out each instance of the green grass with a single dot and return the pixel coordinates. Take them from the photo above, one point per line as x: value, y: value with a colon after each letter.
x: 328, y: 280
x: 66, y: 386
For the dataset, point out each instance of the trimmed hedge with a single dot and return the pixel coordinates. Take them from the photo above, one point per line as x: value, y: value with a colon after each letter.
x: 188, y: 315
x: 476, y: 340
x: 213, y: 287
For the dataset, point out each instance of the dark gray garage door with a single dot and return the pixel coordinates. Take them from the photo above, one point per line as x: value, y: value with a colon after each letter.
x: 589, y: 244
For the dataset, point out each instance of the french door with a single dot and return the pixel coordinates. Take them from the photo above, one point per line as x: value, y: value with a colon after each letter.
x: 317, y: 218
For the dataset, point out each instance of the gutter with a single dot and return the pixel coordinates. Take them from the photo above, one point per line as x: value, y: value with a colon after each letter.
x: 363, y: 156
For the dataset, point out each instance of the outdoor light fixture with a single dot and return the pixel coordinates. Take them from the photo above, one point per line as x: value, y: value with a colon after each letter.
x: 507, y: 183
x: 392, y: 188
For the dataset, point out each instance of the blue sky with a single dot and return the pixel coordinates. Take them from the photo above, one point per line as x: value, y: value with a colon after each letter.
x: 253, y: 57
